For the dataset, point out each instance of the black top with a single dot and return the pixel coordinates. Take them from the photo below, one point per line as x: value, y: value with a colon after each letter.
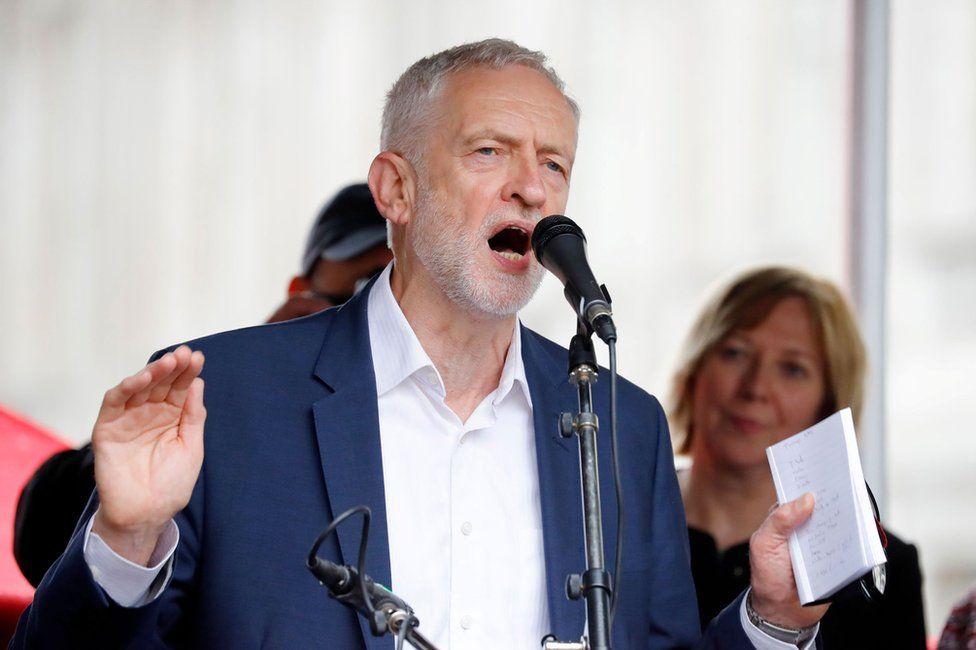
x: 49, y: 507
x: 894, y: 621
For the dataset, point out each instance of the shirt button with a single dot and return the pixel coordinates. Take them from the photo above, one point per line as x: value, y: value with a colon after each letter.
x: 466, y: 622
x: 431, y: 377
x: 466, y: 528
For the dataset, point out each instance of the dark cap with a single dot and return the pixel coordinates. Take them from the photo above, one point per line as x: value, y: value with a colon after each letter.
x: 347, y: 226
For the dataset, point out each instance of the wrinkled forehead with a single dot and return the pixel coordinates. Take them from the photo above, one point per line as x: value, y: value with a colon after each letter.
x: 517, y: 98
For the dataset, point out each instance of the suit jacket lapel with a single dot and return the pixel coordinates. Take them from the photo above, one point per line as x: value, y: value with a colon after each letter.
x: 559, y: 483
x: 348, y: 432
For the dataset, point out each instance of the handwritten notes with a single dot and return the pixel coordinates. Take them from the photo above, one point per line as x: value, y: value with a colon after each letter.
x: 840, y: 541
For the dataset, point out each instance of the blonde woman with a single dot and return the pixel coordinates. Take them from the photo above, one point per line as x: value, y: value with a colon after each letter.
x: 772, y: 353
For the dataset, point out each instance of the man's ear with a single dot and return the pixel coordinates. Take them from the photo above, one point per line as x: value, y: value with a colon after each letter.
x: 393, y: 184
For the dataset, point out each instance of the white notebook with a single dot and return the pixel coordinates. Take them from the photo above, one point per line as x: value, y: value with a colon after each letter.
x: 840, y: 541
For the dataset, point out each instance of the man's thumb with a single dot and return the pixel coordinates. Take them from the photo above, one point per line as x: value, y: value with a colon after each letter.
x: 790, y: 515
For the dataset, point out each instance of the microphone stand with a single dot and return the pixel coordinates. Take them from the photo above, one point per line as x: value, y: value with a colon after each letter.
x: 397, y: 619
x: 594, y: 584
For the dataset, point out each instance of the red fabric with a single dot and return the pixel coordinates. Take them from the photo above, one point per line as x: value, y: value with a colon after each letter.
x: 24, y: 445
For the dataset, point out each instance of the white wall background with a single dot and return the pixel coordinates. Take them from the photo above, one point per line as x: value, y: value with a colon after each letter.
x: 932, y: 292
x: 161, y: 161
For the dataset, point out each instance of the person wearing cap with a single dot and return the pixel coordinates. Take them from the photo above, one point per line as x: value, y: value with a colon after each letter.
x: 346, y: 246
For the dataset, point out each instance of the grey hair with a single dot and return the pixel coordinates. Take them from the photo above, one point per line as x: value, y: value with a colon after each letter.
x: 407, y: 114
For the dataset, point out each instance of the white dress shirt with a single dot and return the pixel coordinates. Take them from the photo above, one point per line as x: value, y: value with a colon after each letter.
x: 462, y: 502
x: 462, y: 498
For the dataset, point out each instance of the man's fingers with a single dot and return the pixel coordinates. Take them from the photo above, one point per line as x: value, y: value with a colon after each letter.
x: 194, y: 413
x: 160, y: 370
x: 193, y: 367
x: 118, y: 395
x: 151, y: 382
x: 161, y: 387
x: 177, y: 394
x: 188, y: 365
x: 790, y: 515
x: 164, y: 370
x: 134, y: 390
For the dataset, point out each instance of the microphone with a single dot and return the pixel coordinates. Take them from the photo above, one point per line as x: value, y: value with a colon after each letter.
x: 560, y: 246
x: 343, y: 583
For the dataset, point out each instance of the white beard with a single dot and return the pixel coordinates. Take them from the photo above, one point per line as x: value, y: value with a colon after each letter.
x: 449, y: 252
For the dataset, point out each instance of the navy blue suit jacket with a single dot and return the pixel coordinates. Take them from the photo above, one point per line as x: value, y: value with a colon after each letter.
x: 292, y: 439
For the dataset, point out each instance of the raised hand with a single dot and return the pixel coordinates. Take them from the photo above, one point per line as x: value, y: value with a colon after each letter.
x: 774, y: 594
x: 148, y: 444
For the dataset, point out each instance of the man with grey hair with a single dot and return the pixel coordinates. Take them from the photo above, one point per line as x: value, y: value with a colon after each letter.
x: 422, y: 398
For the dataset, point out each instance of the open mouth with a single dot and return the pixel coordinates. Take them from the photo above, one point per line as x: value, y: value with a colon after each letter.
x: 510, y: 242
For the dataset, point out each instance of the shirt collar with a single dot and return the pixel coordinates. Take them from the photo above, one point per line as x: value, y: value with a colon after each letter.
x: 398, y: 354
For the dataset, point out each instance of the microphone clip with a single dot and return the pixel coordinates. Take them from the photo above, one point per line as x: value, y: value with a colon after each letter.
x: 350, y: 585
x: 595, y: 316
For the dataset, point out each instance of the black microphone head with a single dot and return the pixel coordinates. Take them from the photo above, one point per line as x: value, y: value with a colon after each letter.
x: 560, y: 246
x: 333, y: 576
x: 550, y: 227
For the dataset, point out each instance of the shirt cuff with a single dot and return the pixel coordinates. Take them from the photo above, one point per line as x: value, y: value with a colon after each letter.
x: 127, y: 583
x: 762, y: 641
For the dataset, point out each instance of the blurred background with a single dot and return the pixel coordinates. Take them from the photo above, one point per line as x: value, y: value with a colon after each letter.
x: 160, y: 163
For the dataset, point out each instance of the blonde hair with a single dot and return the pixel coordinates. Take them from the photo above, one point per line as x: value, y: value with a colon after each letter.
x: 744, y: 303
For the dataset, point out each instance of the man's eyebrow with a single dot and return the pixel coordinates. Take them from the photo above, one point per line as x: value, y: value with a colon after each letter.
x: 490, y: 134
x: 555, y: 151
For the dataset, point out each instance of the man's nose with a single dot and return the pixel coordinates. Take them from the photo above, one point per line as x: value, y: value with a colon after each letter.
x: 525, y: 184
